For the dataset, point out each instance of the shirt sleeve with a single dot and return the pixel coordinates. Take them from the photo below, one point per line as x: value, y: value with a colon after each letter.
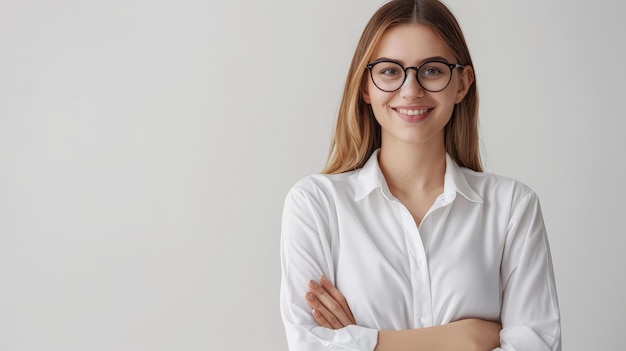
x: 530, y: 313
x: 306, y: 254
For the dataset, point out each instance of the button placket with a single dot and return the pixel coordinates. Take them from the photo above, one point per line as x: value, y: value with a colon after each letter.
x: 420, y: 276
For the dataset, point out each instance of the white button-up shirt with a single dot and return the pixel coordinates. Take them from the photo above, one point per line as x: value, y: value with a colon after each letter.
x: 481, y: 251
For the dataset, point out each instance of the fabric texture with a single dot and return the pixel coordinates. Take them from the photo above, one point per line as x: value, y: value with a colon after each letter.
x: 481, y: 251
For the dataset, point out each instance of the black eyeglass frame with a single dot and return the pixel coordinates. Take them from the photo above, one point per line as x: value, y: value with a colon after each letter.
x: 452, y: 66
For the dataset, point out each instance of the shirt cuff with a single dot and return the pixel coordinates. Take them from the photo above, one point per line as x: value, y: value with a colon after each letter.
x: 350, y: 338
x: 523, y: 338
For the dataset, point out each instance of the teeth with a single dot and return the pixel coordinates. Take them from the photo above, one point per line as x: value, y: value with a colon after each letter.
x: 412, y: 112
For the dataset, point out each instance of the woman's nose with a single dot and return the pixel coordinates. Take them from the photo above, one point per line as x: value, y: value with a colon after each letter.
x: 411, y: 87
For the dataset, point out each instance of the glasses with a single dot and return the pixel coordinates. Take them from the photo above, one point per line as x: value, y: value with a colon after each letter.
x: 433, y: 76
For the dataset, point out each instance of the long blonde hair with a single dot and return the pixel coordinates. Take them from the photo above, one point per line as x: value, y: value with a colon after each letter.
x: 357, y: 133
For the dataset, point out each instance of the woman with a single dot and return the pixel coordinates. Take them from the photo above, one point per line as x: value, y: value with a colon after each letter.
x: 404, y: 243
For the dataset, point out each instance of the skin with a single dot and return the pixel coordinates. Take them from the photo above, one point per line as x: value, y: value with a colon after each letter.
x: 412, y: 159
x: 412, y: 154
x: 400, y: 44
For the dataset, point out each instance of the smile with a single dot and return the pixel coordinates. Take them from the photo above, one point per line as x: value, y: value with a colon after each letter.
x: 415, y: 112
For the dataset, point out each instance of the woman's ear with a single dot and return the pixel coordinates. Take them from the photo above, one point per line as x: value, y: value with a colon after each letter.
x: 365, y: 93
x: 465, y: 82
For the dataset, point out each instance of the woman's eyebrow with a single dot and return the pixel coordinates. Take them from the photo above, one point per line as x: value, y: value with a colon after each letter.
x: 432, y: 58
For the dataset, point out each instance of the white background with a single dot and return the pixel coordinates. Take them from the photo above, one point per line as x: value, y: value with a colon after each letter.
x: 146, y: 148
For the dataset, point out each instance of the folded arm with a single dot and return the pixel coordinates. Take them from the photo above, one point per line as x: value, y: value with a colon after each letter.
x: 330, y: 309
x: 530, y: 312
x: 306, y: 252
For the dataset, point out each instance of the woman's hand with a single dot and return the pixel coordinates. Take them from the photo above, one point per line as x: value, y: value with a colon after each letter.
x: 330, y: 308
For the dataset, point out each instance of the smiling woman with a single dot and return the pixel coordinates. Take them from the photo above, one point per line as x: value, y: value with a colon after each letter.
x: 415, y: 248
x: 147, y: 147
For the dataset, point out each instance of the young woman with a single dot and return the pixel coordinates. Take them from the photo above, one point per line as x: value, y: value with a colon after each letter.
x: 404, y: 243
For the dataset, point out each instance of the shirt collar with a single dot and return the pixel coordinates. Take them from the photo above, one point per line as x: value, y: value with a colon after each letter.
x: 456, y: 182
x: 370, y: 177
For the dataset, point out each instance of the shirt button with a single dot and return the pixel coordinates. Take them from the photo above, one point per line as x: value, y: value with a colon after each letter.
x: 423, y: 321
x: 420, y: 263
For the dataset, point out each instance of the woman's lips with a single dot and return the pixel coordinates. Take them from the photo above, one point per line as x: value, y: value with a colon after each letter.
x: 413, y: 114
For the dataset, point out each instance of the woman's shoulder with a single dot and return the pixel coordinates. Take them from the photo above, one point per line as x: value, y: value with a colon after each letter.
x: 494, y: 186
x: 321, y: 193
x: 326, y: 185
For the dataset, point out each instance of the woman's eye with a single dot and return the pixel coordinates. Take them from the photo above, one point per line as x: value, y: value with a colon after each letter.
x: 431, y: 72
x: 389, y: 72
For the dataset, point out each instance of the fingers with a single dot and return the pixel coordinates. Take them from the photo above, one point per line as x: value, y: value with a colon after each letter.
x: 337, y: 296
x: 329, y: 303
x: 321, y: 315
x: 319, y: 318
x: 332, y: 305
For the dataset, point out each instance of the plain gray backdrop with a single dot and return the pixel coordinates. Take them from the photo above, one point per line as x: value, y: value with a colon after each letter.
x: 146, y: 148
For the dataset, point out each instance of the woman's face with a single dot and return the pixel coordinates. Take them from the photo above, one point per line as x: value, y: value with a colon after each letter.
x: 412, y: 114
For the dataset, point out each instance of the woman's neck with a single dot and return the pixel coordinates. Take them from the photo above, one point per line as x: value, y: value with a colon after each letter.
x: 409, y: 167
